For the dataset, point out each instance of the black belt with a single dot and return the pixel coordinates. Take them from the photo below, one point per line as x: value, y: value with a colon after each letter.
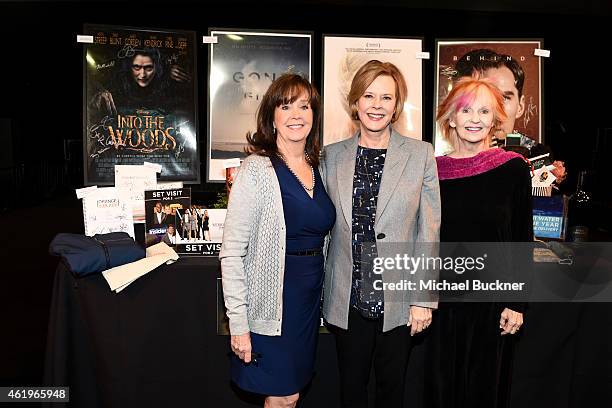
x: 309, y: 252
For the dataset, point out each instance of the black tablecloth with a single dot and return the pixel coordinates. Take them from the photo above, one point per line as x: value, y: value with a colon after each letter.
x: 155, y: 344
x: 145, y: 346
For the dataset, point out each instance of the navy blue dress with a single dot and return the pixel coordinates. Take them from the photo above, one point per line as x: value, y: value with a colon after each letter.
x: 287, y: 362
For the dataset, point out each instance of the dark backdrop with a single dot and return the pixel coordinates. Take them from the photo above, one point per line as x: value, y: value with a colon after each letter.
x: 41, y: 110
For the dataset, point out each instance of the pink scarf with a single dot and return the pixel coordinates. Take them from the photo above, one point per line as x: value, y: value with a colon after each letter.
x: 449, y: 168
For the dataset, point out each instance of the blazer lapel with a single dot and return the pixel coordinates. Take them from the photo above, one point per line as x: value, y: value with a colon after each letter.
x: 397, y: 157
x: 345, y: 173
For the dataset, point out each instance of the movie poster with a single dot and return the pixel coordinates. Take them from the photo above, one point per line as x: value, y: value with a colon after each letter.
x: 242, y: 66
x: 140, y: 102
x: 510, y: 64
x: 165, y: 214
x: 200, y: 231
x: 343, y: 56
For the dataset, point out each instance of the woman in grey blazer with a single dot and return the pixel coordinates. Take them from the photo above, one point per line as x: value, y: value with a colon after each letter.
x: 385, y: 190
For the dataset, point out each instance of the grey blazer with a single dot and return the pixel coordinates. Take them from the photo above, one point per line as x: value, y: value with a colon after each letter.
x: 408, y: 211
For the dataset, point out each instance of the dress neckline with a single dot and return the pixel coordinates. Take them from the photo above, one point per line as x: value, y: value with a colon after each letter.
x: 297, y: 180
x: 454, y: 168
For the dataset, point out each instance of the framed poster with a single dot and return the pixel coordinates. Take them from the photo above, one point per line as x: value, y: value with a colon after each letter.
x: 510, y: 64
x: 343, y: 56
x: 140, y: 102
x: 242, y: 65
x: 165, y: 215
x: 203, y: 237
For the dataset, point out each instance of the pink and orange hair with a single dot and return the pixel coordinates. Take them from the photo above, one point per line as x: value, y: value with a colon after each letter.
x: 463, y: 94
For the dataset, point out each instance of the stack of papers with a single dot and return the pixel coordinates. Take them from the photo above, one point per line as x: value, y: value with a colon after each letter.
x: 120, y: 277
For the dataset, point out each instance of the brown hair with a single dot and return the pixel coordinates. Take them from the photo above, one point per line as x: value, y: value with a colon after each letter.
x: 364, y: 78
x: 463, y: 94
x: 284, y: 90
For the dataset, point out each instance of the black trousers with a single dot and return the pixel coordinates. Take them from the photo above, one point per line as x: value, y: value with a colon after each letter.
x: 362, y: 345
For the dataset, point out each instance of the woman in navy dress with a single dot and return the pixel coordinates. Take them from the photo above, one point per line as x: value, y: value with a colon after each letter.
x: 278, y: 208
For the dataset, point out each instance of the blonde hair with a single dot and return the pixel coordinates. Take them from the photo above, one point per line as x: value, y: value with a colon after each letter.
x: 364, y: 78
x: 463, y: 94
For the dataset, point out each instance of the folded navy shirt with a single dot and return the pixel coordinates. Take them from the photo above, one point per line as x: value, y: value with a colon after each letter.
x: 90, y: 255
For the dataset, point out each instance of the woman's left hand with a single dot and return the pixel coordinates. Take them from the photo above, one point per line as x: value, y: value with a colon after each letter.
x: 510, y: 321
x: 420, y: 319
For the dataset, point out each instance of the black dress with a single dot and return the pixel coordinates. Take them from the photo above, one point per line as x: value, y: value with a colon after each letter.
x: 486, y: 198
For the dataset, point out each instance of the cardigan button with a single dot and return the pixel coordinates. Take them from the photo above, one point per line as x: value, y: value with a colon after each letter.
x: 381, y: 236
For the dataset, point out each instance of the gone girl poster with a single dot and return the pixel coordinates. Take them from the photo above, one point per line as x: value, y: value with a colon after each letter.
x: 243, y: 64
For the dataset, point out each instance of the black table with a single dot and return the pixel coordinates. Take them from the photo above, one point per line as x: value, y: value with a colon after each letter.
x: 155, y: 344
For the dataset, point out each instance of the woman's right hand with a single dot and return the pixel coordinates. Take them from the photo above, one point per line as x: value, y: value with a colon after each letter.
x: 241, y: 346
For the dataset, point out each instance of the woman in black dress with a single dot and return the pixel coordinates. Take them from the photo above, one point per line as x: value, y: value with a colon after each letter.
x: 486, y: 197
x: 205, y: 226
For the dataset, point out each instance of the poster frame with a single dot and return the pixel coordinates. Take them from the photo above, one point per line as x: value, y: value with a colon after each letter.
x: 371, y: 37
x: 87, y: 181
x: 458, y: 41
x: 247, y: 31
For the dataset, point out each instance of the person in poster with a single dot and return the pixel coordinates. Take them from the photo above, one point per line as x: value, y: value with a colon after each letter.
x: 343, y: 56
x: 206, y: 225
x: 140, y: 103
x: 513, y: 68
x: 142, y: 84
x: 508, y: 75
x: 170, y: 236
x: 242, y: 67
x: 158, y: 217
x: 170, y: 218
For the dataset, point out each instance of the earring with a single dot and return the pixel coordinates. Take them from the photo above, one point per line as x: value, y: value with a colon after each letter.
x: 452, y: 124
x: 274, y: 128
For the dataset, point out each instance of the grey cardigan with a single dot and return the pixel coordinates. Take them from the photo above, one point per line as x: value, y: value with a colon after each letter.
x: 253, y: 250
x: 408, y: 212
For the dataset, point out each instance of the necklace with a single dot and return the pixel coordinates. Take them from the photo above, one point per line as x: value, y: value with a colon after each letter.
x: 366, y: 163
x: 298, y: 179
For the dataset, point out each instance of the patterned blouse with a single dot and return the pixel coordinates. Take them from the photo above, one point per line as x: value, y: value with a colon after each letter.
x: 369, y: 165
